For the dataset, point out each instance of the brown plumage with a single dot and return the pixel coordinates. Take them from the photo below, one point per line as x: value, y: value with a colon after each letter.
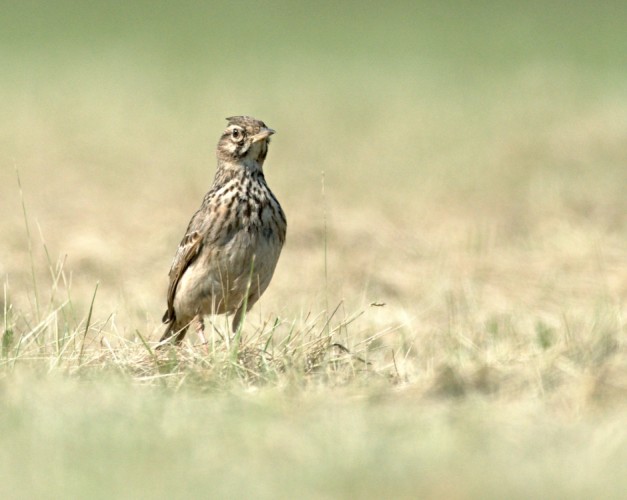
x: 228, y: 254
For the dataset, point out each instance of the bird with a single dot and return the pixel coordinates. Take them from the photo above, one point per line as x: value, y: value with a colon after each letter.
x: 231, y: 247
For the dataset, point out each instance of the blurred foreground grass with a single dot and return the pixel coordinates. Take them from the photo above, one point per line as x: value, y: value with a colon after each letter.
x: 475, y: 166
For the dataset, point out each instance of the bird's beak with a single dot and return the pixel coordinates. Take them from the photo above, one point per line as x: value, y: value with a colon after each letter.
x: 263, y: 134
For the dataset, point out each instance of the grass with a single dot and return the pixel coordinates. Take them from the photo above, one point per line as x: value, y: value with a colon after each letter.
x: 447, y: 319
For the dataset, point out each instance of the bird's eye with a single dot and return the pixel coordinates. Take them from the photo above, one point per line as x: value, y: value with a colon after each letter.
x: 236, y: 134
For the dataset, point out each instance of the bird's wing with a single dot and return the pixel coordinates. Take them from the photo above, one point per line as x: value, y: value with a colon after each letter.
x: 187, y: 251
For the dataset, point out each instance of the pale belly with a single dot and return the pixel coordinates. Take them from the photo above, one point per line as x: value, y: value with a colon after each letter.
x: 218, y: 280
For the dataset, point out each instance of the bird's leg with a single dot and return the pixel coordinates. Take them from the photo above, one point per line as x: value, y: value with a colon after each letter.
x: 199, y: 326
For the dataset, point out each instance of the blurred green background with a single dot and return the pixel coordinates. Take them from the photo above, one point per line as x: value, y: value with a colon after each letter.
x: 407, y: 92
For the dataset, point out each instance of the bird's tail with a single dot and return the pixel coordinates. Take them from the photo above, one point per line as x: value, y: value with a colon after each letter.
x: 173, y: 333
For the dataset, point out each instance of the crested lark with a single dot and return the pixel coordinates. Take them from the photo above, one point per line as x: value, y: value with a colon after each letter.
x: 232, y: 244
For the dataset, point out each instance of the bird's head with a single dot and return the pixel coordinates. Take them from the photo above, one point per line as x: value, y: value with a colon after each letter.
x: 245, y: 140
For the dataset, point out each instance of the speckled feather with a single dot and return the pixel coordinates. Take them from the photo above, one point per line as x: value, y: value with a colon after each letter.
x: 236, y: 236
